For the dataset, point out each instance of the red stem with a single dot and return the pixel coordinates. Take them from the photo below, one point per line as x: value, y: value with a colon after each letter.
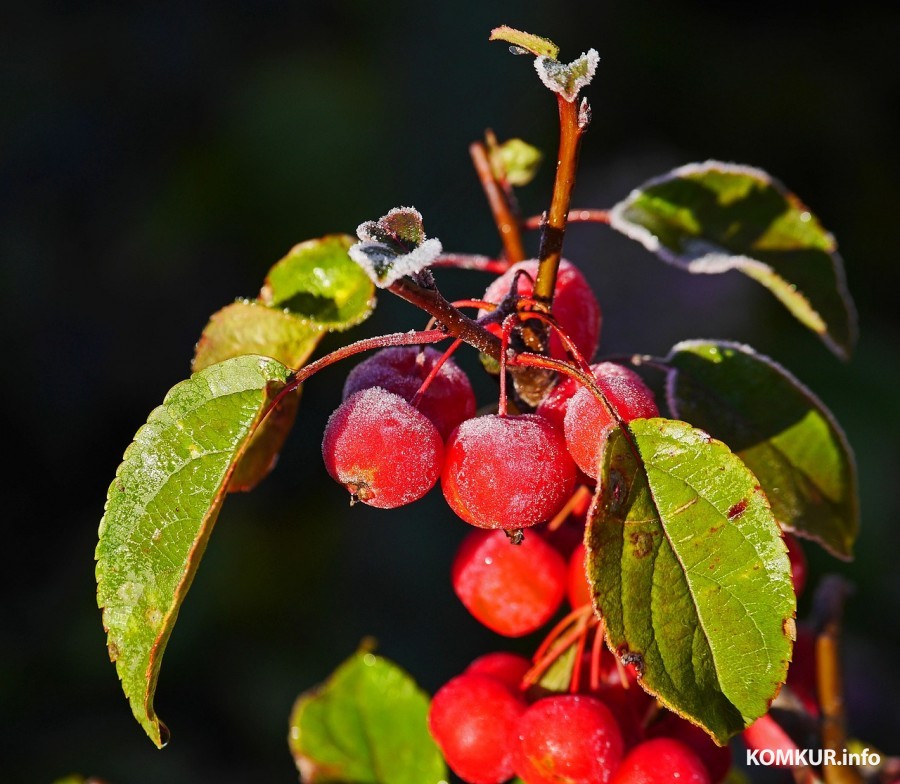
x: 507, y: 223
x: 574, y: 216
x: 471, y: 262
x: 434, y: 371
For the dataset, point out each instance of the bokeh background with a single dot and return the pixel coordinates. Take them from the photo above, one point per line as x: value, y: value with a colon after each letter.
x: 156, y: 159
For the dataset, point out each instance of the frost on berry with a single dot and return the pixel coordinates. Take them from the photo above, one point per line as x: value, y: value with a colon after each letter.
x: 449, y: 398
x: 588, y: 422
x: 570, y: 738
x: 574, y: 304
x: 661, y: 761
x: 472, y: 718
x: 507, y: 471
x: 381, y: 449
x: 512, y: 589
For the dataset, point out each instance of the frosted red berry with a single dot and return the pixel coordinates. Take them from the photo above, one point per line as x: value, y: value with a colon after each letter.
x: 716, y: 759
x: 512, y: 589
x: 401, y: 369
x: 472, y: 718
x: 384, y: 451
x: 507, y: 471
x: 587, y: 421
x: 661, y: 761
x: 574, y: 304
x: 571, y: 738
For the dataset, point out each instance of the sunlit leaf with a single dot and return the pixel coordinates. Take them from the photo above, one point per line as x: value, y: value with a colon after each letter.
x: 516, y: 161
x: 780, y: 429
x: 539, y: 47
x: 367, y: 724
x: 690, y: 574
x: 161, y: 508
x: 713, y: 217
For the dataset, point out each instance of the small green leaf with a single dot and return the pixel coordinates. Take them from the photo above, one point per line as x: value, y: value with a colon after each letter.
x: 713, y: 217
x: 366, y: 725
x: 516, y: 161
x: 319, y: 282
x: 539, y: 47
x: 160, y: 511
x: 690, y: 574
x: 567, y: 80
x: 246, y: 327
x: 779, y: 428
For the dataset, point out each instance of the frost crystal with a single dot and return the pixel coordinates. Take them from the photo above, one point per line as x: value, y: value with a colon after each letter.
x: 394, y: 246
x: 567, y: 80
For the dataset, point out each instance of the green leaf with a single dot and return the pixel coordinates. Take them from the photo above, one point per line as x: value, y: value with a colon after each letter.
x: 539, y: 47
x: 319, y: 282
x: 712, y: 217
x: 516, y: 161
x: 690, y: 574
x: 366, y: 725
x: 567, y: 80
x: 780, y: 429
x: 160, y: 511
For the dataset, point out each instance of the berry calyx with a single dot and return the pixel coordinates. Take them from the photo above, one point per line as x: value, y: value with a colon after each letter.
x: 588, y: 422
x: 511, y: 589
x: 661, y: 761
x: 447, y: 401
x: 571, y: 738
x: 384, y: 451
x: 507, y: 472
x: 574, y: 304
x: 472, y: 718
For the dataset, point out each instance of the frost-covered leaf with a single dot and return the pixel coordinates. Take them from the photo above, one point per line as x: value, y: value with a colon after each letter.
x: 567, y: 80
x: 539, y: 47
x: 394, y: 246
x: 161, y: 508
x: 516, y: 161
x: 317, y: 281
x: 712, y: 217
x: 690, y: 574
x: 367, y: 724
x: 779, y: 428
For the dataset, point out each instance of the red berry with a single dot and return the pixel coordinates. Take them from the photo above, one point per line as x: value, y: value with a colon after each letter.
x: 661, y: 761
x: 401, y: 369
x: 508, y: 668
x: 716, y: 759
x: 381, y: 449
x: 569, y: 738
x: 766, y: 733
x: 799, y: 566
x: 574, y: 304
x: 554, y: 406
x: 472, y: 719
x: 587, y: 421
x: 512, y: 589
x: 507, y: 471
x: 578, y: 590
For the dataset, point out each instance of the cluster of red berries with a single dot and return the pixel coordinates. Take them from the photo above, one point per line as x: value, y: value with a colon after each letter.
x: 490, y: 726
x: 408, y: 418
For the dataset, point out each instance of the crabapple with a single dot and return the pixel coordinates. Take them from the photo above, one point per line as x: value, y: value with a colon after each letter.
x: 507, y: 471
x: 572, y: 738
x: 384, y: 451
x: 587, y: 421
x: 717, y: 759
x: 511, y: 589
x: 661, y: 761
x: 472, y: 718
x: 766, y: 733
x: 574, y: 304
x: 508, y: 668
x: 401, y: 369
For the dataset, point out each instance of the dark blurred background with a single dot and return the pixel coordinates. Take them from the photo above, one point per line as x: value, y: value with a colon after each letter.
x: 156, y: 159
